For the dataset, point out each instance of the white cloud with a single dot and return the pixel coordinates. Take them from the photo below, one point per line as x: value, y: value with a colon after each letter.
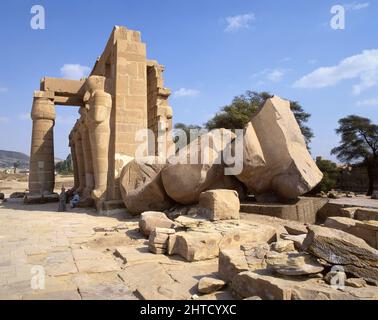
x: 24, y: 116
x: 3, y: 89
x: 273, y: 75
x: 368, y: 103
x: 4, y: 119
x: 363, y: 67
x: 184, y: 92
x: 74, y: 71
x: 354, y: 6
x: 242, y: 21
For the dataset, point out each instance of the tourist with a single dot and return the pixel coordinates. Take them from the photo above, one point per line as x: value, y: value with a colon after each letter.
x: 75, y: 200
x: 62, y: 200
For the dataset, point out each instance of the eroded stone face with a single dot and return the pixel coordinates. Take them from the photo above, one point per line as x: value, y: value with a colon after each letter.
x: 276, y: 159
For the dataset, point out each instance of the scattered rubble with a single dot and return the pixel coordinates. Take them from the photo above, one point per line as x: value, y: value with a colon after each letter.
x: 340, y: 248
x: 210, y: 285
x: 293, y: 264
x: 158, y: 240
x: 150, y: 220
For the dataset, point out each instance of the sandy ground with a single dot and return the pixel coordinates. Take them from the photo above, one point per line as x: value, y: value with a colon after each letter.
x: 80, y: 255
x: 77, y: 254
x: 19, y: 183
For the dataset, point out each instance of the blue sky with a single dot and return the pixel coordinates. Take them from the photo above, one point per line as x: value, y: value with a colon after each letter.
x: 213, y: 50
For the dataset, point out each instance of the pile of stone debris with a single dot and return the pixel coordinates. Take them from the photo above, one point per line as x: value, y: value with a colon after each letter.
x: 270, y: 258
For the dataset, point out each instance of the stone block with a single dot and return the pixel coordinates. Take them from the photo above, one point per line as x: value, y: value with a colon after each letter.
x: 195, y: 246
x: 231, y: 263
x: 220, y: 204
x: 356, y: 228
x: 304, y: 210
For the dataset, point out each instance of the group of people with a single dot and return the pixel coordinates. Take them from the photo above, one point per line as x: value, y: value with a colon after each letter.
x: 65, y: 197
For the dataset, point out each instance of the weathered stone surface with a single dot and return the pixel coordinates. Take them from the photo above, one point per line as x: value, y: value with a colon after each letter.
x: 366, y: 214
x: 283, y: 246
x: 304, y: 210
x: 374, y: 194
x: 355, y: 282
x: 135, y: 255
x: 341, y: 248
x: 255, y: 254
x: 190, y: 222
x: 293, y: 264
x: 195, y: 246
x: 267, y: 287
x: 298, y: 240
x: 361, y: 229
x: 150, y: 220
x: 220, y: 204
x: 158, y: 240
x: 210, y: 285
x: 106, y: 291
x: 276, y: 159
x: 150, y: 282
x: 231, y: 263
x: 185, y: 181
x: 141, y: 186
x: 235, y: 236
x: 247, y: 284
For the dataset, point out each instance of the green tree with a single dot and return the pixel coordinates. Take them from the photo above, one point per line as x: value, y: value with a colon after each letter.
x: 331, y: 174
x: 65, y: 167
x: 359, y: 143
x: 239, y: 113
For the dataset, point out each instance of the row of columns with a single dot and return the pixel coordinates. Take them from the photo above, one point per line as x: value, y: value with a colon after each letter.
x: 89, y: 143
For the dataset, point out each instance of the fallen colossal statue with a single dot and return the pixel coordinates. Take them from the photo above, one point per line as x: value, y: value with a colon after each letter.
x: 275, y: 162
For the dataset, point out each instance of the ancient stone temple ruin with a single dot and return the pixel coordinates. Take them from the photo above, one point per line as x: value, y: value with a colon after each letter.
x: 124, y: 93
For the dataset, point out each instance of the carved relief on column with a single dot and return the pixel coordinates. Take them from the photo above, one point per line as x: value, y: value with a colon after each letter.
x: 74, y: 160
x: 79, y: 156
x: 42, y: 166
x: 88, y: 163
x: 98, y: 120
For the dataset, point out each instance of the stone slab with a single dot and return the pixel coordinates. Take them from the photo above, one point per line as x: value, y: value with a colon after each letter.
x: 305, y: 210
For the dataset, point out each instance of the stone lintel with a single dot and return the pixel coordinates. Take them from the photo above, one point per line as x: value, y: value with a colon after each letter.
x: 63, y: 87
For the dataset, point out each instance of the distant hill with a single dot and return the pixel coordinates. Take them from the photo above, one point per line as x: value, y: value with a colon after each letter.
x: 8, y: 158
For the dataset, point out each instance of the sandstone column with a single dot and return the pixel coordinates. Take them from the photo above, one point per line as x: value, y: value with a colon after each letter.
x: 88, y: 164
x: 74, y: 161
x: 98, y: 119
x: 79, y: 157
x: 42, y: 167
